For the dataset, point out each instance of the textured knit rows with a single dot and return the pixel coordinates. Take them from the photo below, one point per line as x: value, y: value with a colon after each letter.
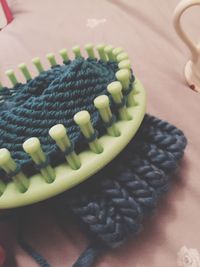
x: 53, y: 97
x: 112, y: 204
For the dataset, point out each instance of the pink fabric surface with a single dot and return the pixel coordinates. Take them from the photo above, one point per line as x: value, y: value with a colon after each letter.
x: 144, y: 29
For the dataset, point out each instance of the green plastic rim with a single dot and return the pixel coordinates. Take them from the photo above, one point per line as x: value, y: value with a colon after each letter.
x: 91, y: 163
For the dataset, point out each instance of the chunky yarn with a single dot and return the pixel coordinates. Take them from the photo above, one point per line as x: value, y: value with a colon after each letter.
x: 53, y: 97
x: 114, y: 202
x: 111, y: 205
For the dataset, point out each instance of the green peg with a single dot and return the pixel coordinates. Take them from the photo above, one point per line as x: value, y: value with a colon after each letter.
x: 25, y: 71
x: 103, y: 105
x: 82, y: 118
x: 9, y: 166
x: 59, y: 134
x: 64, y: 55
x: 123, y: 76
x: 115, y: 89
x: 36, y: 61
x: 77, y: 51
x: 101, y: 52
x: 12, y: 77
x: 135, y: 90
x: 90, y: 50
x: 125, y: 64
x: 108, y: 50
x: 51, y: 59
x: 32, y: 147
x: 122, y: 56
x: 116, y: 51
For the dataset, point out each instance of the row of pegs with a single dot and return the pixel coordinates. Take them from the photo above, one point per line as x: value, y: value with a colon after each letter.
x: 105, y: 52
x: 58, y: 133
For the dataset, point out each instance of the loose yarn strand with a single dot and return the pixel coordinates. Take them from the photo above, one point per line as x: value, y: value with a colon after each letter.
x: 38, y: 258
x: 8, y: 217
x: 89, y: 256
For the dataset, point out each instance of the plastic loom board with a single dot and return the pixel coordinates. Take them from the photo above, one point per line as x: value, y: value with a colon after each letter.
x: 91, y: 162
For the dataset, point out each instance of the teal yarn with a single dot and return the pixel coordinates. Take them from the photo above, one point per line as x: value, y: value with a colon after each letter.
x: 111, y: 206
x: 53, y: 97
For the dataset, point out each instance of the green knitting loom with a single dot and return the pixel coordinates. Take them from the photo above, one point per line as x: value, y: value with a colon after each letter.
x: 51, y: 181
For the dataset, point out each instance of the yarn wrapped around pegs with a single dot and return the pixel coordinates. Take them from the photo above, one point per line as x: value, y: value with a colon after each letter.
x: 49, y: 124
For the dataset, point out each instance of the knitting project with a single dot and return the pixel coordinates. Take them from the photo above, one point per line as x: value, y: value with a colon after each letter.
x: 110, y: 205
x: 53, y: 97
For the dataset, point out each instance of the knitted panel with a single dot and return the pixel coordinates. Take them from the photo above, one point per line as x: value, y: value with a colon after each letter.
x: 113, y: 203
x: 53, y: 97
